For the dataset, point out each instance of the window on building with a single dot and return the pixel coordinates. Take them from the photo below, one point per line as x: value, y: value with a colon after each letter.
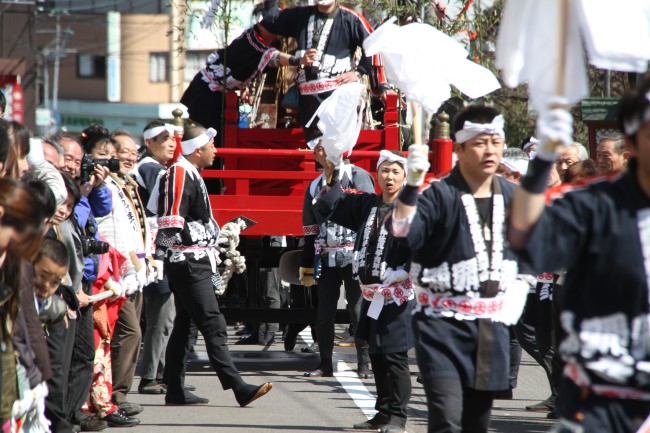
x: 159, y: 67
x: 91, y: 66
x: 194, y: 62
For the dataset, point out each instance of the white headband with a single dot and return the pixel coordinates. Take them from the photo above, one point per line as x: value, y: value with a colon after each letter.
x: 518, y: 165
x: 471, y: 129
x: 532, y: 141
x: 190, y: 146
x: 387, y: 155
x: 157, y: 130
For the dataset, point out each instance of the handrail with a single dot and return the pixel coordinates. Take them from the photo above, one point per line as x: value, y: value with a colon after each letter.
x: 283, y: 153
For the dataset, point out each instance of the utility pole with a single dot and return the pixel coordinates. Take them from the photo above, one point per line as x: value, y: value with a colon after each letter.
x: 54, y: 51
x: 177, y: 50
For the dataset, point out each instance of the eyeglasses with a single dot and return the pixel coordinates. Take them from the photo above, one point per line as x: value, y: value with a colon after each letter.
x: 133, y: 153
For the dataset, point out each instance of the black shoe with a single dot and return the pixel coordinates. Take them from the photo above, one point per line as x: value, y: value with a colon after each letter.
x: 290, y: 343
x: 419, y: 379
x: 363, y: 372
x: 91, y: 424
x: 243, y: 332
x: 547, y: 405
x: 250, y: 393
x: 319, y: 372
x: 503, y: 395
x: 151, y: 386
x: 130, y: 408
x: 118, y: 419
x: 249, y: 339
x: 313, y: 348
x: 395, y: 425
x: 187, y: 398
x: 186, y: 387
x: 375, y: 423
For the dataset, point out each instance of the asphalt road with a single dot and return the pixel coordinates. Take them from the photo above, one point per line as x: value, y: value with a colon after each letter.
x: 299, y: 404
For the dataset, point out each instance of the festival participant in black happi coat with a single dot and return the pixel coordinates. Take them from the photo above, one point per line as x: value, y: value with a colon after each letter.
x: 465, y: 276
x: 187, y: 241
x: 380, y: 266
x: 599, y: 233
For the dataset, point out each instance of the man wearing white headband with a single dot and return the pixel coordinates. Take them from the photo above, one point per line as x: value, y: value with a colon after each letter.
x: 465, y: 276
x: 159, y: 307
x: 187, y: 241
x: 333, y: 33
x: 388, y: 297
x: 326, y: 261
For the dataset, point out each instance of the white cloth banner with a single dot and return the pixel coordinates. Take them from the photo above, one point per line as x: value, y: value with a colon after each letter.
x: 423, y: 62
x: 340, y: 119
x: 528, y: 44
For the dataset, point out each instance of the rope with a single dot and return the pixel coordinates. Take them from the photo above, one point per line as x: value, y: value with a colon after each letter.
x: 234, y: 263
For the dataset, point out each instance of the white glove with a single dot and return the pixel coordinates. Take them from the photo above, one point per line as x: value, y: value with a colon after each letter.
x: 131, y: 284
x: 391, y: 276
x: 554, y: 130
x: 159, y: 270
x: 417, y: 164
x: 116, y: 288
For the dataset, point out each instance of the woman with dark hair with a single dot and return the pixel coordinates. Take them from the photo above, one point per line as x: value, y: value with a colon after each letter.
x: 16, y: 163
x: 21, y: 231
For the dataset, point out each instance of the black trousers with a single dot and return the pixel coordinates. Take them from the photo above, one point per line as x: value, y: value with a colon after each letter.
x: 203, y: 105
x: 302, y: 297
x: 196, y: 302
x: 329, y: 289
x: 393, y: 381
x: 598, y: 414
x: 534, y: 343
x: 454, y: 408
x: 58, y: 383
x: 83, y: 357
x: 515, y: 357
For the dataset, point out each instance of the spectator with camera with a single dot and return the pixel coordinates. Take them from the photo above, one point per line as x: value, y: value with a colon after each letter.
x: 126, y: 228
x: 95, y: 202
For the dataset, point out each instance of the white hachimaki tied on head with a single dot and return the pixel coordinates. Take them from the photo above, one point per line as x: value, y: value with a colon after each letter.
x: 157, y: 130
x: 387, y: 155
x: 191, y: 145
x: 471, y: 129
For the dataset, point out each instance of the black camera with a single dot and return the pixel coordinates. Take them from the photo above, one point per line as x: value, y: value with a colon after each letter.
x: 90, y: 246
x: 88, y: 166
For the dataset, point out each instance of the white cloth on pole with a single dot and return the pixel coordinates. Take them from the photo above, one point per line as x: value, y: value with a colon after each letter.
x: 529, y: 39
x: 340, y: 119
x: 423, y: 62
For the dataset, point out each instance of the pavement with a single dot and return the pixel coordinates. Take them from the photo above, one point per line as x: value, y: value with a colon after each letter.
x: 299, y: 404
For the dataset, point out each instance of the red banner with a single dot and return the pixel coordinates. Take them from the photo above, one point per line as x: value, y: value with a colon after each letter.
x: 17, y: 103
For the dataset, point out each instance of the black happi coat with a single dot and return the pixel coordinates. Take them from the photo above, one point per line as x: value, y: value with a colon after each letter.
x: 392, y: 331
x: 477, y: 350
x: 231, y: 68
x: 349, y: 30
x: 321, y: 233
x: 187, y: 229
x: 601, y: 234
